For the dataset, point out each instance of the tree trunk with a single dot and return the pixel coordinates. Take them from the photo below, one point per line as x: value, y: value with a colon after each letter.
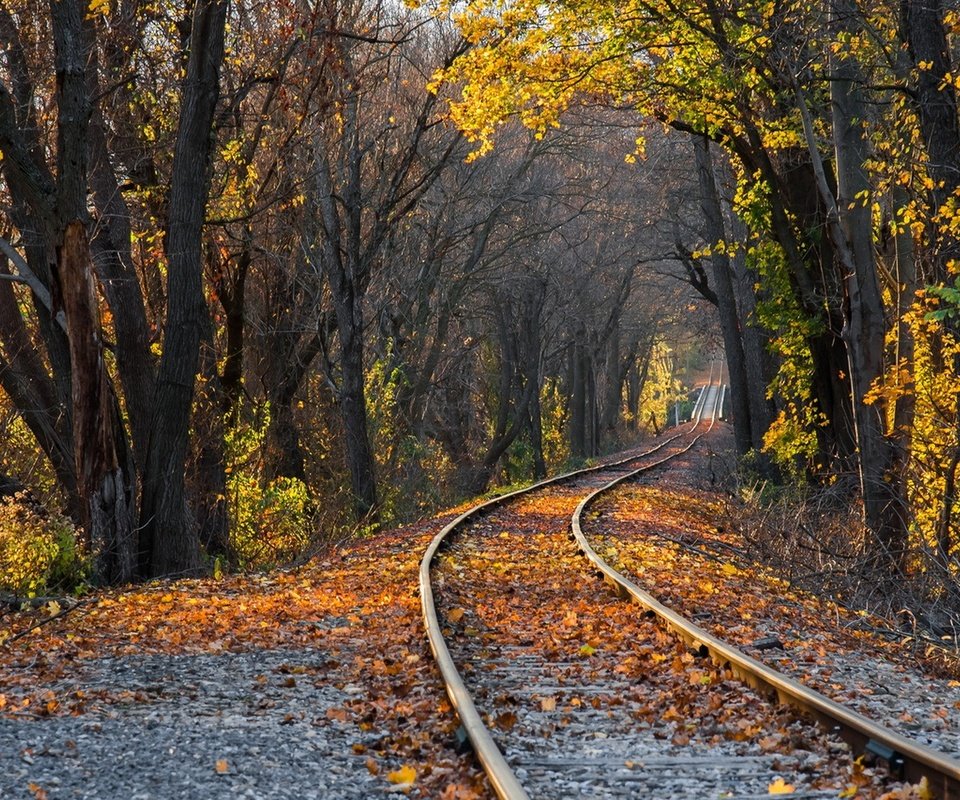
x: 103, y: 468
x: 169, y: 542
x: 113, y: 259
x: 924, y: 31
x: 207, y: 469
x: 757, y: 359
x: 613, y: 396
x: 530, y: 356
x: 849, y: 219
x: 730, y: 325
x: 231, y: 290
x: 353, y: 407
x: 24, y: 378
x: 104, y: 472
x: 578, y: 397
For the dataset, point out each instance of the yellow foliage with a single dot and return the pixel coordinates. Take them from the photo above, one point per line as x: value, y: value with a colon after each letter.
x: 30, y: 544
x: 934, y: 436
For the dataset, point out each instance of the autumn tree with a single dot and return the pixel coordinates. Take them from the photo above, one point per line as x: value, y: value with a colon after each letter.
x: 748, y: 79
x: 61, y: 244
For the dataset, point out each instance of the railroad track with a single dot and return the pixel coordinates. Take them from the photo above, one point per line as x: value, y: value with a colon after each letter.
x: 569, y: 727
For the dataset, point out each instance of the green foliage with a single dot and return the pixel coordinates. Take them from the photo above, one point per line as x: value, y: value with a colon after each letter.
x: 791, y: 440
x: 37, y: 551
x: 949, y: 297
x: 271, y: 521
x: 408, y: 467
x: 271, y: 524
x: 19, y: 456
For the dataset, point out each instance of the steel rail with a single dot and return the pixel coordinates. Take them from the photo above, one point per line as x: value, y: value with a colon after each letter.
x: 501, y: 776
x: 906, y: 758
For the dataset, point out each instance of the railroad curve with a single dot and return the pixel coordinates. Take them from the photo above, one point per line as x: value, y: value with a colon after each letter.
x: 514, y: 780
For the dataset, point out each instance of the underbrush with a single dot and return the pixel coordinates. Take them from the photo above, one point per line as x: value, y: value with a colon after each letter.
x: 814, y: 538
x: 39, y: 551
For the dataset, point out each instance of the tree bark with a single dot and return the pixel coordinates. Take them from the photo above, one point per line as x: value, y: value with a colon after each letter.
x: 578, y: 396
x: 113, y: 259
x: 104, y: 472
x: 924, y: 31
x: 169, y: 542
x: 849, y: 220
x: 730, y: 324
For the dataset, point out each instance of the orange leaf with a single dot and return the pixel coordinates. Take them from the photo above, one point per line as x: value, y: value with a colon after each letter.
x: 222, y: 766
x: 39, y: 792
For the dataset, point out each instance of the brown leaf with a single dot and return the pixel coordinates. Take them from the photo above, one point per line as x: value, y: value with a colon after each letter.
x: 506, y: 720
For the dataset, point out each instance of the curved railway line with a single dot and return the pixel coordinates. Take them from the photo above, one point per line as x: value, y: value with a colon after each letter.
x: 479, y: 671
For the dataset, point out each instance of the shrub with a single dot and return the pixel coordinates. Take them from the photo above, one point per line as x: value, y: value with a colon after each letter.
x: 37, y: 550
x: 271, y: 524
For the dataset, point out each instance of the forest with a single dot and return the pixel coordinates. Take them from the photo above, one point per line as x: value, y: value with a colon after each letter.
x: 280, y: 273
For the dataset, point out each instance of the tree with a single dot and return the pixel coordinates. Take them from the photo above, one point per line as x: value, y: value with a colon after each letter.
x: 59, y: 257
x: 726, y: 74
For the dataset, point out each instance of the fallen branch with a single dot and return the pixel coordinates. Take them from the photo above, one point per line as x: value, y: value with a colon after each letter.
x: 40, y: 623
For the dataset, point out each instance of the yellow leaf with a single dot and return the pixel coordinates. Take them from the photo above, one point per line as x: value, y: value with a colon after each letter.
x: 53, y: 608
x: 850, y: 791
x: 405, y: 774
x: 780, y: 786
x: 222, y: 766
x: 98, y: 7
x: 729, y: 569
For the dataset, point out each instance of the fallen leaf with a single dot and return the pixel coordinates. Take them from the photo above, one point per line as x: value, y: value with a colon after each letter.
x: 222, y: 766
x: 404, y: 775
x: 455, y: 615
x: 39, y: 792
x: 548, y: 704
x: 506, y: 720
x: 587, y: 650
x: 769, y: 743
x: 457, y: 791
x: 780, y: 786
